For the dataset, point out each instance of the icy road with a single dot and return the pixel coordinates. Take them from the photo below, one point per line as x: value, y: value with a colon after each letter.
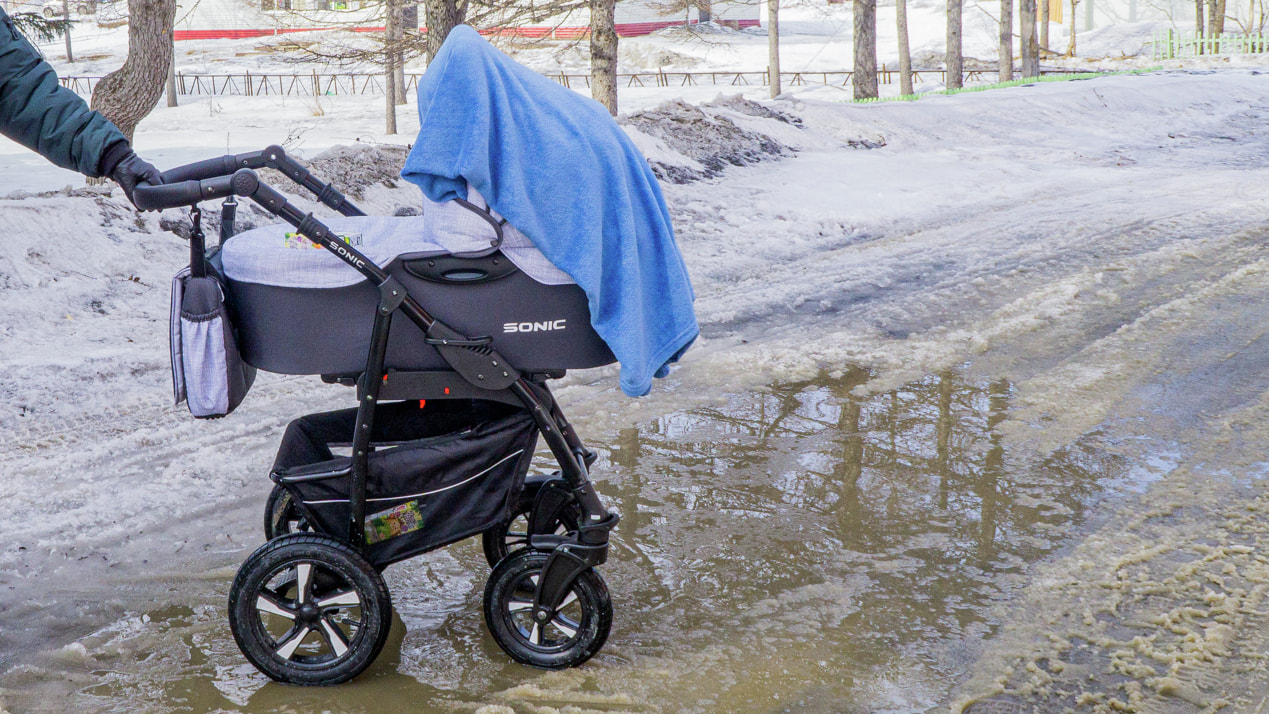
x: 977, y: 422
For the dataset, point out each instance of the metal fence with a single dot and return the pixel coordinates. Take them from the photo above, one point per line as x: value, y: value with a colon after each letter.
x: 319, y: 84
x: 1171, y: 44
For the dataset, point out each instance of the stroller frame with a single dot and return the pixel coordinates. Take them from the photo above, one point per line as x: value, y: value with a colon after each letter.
x: 478, y: 370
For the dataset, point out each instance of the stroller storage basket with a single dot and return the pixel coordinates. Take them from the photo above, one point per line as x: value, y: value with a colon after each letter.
x: 438, y: 473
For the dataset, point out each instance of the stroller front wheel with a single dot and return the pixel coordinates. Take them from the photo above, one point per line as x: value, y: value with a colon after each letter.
x: 576, y: 632
x: 308, y: 609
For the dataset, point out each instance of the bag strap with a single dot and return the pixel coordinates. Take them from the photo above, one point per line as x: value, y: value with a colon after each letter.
x: 197, y: 246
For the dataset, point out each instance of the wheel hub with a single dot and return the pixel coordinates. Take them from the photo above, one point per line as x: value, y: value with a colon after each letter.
x: 308, y: 615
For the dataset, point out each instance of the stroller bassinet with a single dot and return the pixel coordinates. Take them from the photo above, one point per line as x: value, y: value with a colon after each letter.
x: 304, y: 311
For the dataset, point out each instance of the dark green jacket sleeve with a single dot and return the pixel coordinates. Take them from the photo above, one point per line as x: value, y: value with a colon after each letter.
x: 39, y: 113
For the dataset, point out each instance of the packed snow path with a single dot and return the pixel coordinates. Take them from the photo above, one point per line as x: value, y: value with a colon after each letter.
x: 1076, y: 236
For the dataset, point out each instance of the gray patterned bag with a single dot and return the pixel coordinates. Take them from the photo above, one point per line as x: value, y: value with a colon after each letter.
x: 208, y: 373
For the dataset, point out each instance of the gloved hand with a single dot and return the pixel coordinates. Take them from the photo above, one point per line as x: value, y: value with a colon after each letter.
x: 132, y: 170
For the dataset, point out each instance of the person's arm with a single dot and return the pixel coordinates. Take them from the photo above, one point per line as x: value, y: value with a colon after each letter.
x: 37, y: 112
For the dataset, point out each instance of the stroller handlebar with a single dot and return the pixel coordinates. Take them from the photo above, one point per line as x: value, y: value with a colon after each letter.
x: 213, y: 168
x: 225, y: 167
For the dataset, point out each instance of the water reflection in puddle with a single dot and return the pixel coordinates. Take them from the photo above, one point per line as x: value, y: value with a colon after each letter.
x: 800, y: 549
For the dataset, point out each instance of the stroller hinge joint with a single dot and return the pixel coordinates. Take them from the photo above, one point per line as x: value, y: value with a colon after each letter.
x: 391, y: 294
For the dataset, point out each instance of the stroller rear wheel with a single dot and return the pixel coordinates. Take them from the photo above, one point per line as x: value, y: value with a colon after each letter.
x: 513, y: 534
x: 576, y: 632
x: 308, y: 609
x: 282, y: 516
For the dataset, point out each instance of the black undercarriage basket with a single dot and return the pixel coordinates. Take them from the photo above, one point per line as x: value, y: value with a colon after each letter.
x: 439, y: 472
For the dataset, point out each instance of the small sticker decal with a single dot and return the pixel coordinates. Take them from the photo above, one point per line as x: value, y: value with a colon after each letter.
x: 393, y: 522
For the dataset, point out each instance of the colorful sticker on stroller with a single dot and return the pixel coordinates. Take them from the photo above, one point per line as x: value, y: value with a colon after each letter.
x: 295, y: 240
x: 393, y: 522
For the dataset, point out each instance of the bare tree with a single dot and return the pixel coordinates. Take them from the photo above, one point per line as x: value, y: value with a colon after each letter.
x: 1026, y: 30
x: 905, y: 52
x: 773, y: 47
x: 390, y: 30
x: 396, y: 42
x: 127, y: 95
x: 954, y: 55
x: 1004, y: 56
x: 864, y: 77
x: 1044, y: 25
x: 1070, y: 46
x: 442, y: 16
x: 1216, y: 17
x: 603, y: 53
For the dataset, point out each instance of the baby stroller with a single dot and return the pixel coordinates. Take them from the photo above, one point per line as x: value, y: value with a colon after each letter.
x: 449, y: 409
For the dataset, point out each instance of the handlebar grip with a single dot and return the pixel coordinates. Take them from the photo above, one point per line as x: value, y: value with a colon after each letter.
x: 185, y: 193
x: 213, y: 168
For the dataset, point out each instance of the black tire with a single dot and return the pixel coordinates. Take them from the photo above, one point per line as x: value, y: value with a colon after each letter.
x: 49, y: 12
x: 84, y: 9
x: 513, y: 535
x: 308, y: 609
x: 574, y: 635
x: 282, y: 516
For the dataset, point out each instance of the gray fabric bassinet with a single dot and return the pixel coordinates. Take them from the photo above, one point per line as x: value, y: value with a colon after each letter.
x: 299, y: 309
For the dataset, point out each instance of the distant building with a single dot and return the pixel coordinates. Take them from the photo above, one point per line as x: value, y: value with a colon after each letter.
x: 235, y: 19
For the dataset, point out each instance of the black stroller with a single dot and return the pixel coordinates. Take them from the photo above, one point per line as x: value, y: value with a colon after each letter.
x: 448, y: 414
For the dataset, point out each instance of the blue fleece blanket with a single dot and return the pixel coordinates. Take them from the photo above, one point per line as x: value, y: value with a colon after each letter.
x: 557, y: 166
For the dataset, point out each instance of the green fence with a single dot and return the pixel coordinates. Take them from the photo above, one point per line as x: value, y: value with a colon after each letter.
x: 1172, y: 44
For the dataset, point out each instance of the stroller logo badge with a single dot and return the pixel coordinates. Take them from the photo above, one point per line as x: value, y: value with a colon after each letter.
x: 548, y: 326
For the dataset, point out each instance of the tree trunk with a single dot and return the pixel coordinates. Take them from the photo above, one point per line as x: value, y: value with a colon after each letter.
x: 905, y: 52
x: 127, y: 95
x: 953, y: 73
x: 864, y: 77
x: 66, y: 15
x: 773, y: 47
x: 1004, y: 55
x: 441, y: 17
x: 1198, y: 20
x: 396, y: 44
x: 1026, y: 31
x: 1070, y: 46
x: 603, y: 53
x: 390, y: 17
x: 171, y: 76
x: 1044, y: 25
x: 390, y: 99
x: 1215, y: 17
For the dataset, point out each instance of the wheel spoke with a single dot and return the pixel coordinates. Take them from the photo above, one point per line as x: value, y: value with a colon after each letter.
x: 334, y: 638
x: 287, y: 649
x: 519, y: 605
x: 569, y: 600
x: 535, y: 635
x: 303, y: 580
x: 348, y: 598
x: 265, y: 603
x: 563, y: 625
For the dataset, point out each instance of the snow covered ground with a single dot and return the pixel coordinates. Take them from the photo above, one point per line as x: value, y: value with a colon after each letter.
x: 1098, y: 243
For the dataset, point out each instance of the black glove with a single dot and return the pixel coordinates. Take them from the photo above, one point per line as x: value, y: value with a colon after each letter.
x: 132, y: 170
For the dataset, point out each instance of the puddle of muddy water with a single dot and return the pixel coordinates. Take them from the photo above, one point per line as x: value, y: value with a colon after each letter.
x: 796, y: 549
